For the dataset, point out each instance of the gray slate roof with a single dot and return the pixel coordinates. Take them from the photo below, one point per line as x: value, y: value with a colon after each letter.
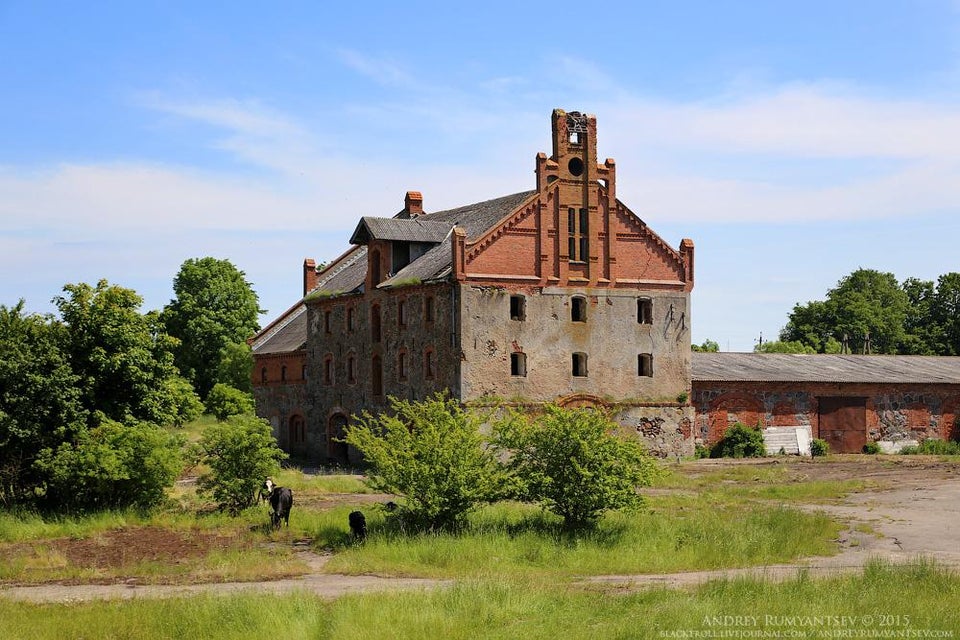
x: 288, y: 334
x: 409, y: 230
x: 782, y: 367
x: 476, y: 219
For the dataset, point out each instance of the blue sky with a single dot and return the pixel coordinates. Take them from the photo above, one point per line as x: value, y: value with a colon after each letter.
x: 792, y: 142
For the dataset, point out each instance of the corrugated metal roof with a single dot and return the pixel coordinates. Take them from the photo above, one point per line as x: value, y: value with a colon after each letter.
x: 782, y: 367
x: 406, y: 230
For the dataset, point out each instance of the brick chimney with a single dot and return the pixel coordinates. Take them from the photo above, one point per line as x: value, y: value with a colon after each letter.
x: 413, y: 204
x: 309, y: 275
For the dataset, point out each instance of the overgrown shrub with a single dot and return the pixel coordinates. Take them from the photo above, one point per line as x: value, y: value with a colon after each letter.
x: 112, y: 465
x: 871, y: 448
x: 225, y: 401
x: 241, y: 453
x: 701, y: 451
x: 573, y: 464
x: 740, y: 441
x: 933, y: 446
x: 819, y: 448
x: 431, y: 453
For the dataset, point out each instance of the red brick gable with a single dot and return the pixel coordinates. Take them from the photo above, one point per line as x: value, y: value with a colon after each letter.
x: 573, y: 231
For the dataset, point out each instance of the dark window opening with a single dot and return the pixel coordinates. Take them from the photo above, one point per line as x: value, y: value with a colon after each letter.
x: 303, y: 372
x: 328, y: 371
x: 326, y: 322
x: 402, y: 365
x: 645, y: 365
x: 578, y: 241
x: 376, y: 376
x: 428, y: 308
x: 518, y: 364
x: 428, y: 364
x: 518, y: 307
x: 283, y: 373
x: 263, y: 374
x: 578, y: 309
x: 580, y: 365
x: 645, y: 311
x: 375, y: 323
x: 401, y: 316
x: 298, y: 431
x: 576, y: 167
x: 375, y: 273
x: 349, y: 318
x: 351, y: 373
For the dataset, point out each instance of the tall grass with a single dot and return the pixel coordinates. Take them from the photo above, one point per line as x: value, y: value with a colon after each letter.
x: 917, y: 597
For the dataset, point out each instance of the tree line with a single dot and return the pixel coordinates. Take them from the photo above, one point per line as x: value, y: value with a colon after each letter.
x: 85, y: 392
x: 869, y: 311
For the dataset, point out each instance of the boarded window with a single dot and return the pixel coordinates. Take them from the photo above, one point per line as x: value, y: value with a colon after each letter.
x: 518, y: 307
x: 518, y: 364
x: 579, y: 365
x: 578, y: 309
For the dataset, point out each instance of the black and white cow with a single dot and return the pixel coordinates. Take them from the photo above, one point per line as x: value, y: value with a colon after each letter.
x: 281, y: 500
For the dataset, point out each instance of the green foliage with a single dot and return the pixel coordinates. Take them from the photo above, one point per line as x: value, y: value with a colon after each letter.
x: 701, y: 451
x: 819, y: 448
x: 40, y: 404
x: 236, y: 363
x: 122, y: 358
x: 933, y: 447
x: 740, y: 441
x: 871, y: 448
x: 185, y: 405
x: 779, y: 346
x: 573, y: 464
x: 110, y: 466
x: 708, y: 346
x: 224, y: 401
x: 432, y: 454
x: 214, y: 307
x: 241, y: 453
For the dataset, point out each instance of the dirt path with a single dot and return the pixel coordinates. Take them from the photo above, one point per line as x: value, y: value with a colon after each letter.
x: 916, y: 516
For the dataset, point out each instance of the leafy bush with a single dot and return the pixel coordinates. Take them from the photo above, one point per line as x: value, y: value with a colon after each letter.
x: 572, y: 463
x: 431, y: 452
x: 740, y: 441
x: 241, y: 454
x: 225, y: 401
x: 933, y: 447
x: 871, y: 448
x: 701, y: 451
x: 112, y: 465
x: 819, y: 448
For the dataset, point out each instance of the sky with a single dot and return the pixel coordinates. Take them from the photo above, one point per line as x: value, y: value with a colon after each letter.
x: 792, y: 142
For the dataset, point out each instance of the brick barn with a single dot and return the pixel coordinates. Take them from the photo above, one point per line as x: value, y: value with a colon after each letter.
x: 556, y: 294
x: 847, y: 400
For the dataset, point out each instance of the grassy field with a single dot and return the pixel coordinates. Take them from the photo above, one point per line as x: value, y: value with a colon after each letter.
x: 525, y: 608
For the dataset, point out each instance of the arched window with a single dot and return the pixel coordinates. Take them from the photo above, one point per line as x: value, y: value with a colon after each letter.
x: 375, y: 334
x: 376, y: 376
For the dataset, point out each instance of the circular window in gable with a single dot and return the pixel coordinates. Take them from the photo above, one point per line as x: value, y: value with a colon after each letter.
x: 575, y: 166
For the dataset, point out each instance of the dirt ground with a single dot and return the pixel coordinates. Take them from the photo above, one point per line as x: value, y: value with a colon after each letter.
x: 910, y: 510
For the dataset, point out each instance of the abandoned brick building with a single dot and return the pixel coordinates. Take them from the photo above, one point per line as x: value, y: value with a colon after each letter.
x: 557, y: 294
x: 847, y: 400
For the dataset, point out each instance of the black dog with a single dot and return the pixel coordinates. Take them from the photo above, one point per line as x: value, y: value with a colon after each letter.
x: 358, y: 525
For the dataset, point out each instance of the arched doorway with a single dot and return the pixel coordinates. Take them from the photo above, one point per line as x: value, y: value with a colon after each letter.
x: 297, y: 434
x: 337, y: 451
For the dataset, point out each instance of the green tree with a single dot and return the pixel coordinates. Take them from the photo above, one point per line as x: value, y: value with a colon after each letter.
x: 241, y: 453
x: 214, y: 307
x: 708, y: 346
x: 224, y: 401
x: 573, y: 464
x: 922, y: 333
x: 431, y: 453
x: 122, y: 358
x: 779, y: 346
x: 110, y: 466
x: 40, y: 403
x: 236, y: 363
x: 945, y: 315
x: 183, y: 402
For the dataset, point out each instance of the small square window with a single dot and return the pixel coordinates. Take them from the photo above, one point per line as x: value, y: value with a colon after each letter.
x: 580, y: 365
x: 518, y: 307
x: 645, y: 365
x: 578, y: 309
x: 518, y: 364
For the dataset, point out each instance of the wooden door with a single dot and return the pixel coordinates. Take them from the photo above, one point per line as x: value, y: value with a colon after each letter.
x: 843, y: 423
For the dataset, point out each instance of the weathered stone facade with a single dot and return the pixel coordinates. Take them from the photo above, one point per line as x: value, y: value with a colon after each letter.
x: 559, y: 294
